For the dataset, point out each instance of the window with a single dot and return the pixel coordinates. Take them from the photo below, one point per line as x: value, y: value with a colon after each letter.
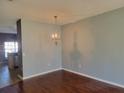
x: 10, y: 47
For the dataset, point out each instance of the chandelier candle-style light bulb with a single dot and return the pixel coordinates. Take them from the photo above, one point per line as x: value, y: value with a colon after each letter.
x: 56, y: 35
x: 53, y: 36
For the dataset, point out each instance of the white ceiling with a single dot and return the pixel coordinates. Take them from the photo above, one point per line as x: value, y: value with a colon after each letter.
x: 43, y: 10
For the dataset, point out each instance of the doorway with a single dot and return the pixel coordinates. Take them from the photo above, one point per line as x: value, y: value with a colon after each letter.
x: 10, y: 56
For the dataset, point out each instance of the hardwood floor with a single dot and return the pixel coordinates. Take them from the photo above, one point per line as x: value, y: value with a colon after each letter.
x: 61, y: 82
x: 7, y: 77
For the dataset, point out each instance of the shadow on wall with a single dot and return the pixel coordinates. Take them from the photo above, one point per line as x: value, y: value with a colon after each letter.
x: 76, y: 55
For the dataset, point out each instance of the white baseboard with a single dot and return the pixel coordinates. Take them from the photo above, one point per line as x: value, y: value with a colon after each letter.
x: 20, y: 77
x: 95, y: 78
x: 43, y: 73
x: 85, y: 75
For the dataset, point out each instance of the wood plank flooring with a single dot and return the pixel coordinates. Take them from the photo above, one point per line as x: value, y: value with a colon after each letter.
x: 7, y: 76
x: 61, y: 82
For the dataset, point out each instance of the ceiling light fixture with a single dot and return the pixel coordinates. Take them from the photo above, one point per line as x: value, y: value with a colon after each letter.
x: 55, y: 36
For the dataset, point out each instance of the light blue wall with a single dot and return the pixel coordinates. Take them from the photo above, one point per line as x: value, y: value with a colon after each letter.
x: 40, y: 54
x: 95, y: 46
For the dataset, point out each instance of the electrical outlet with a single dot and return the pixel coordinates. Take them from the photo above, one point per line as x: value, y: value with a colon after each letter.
x: 49, y: 64
x: 23, y: 54
x: 79, y: 65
